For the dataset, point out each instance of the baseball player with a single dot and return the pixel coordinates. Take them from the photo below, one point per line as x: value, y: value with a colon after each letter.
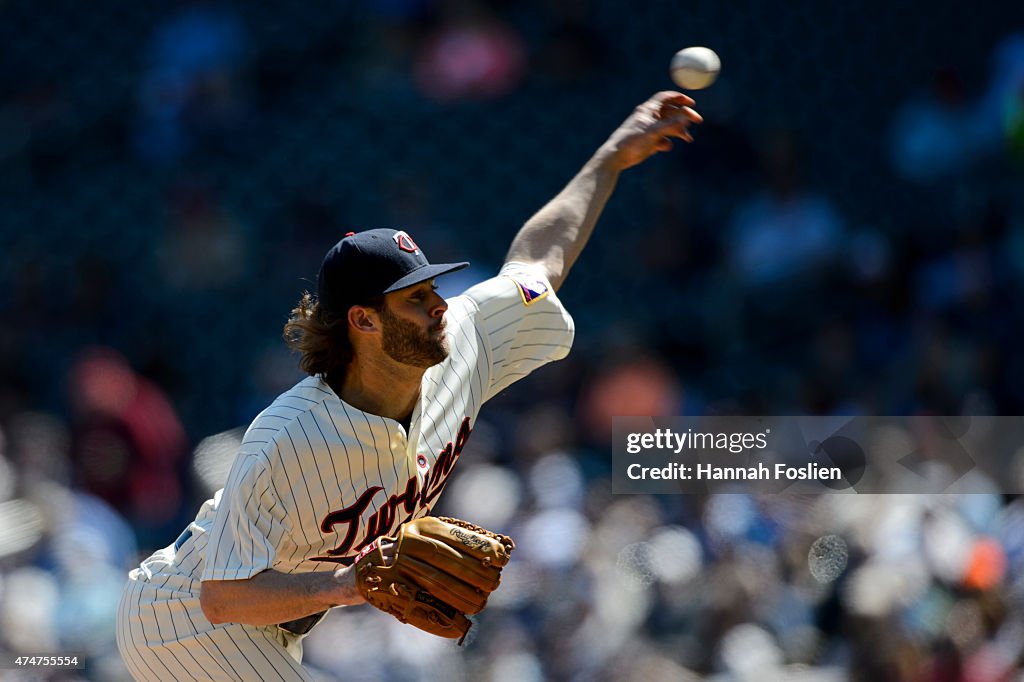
x: 368, y: 440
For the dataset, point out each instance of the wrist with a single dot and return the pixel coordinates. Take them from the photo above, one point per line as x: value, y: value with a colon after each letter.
x: 344, y: 591
x: 606, y: 159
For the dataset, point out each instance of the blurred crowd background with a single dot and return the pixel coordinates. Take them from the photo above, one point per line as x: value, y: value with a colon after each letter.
x: 845, y: 236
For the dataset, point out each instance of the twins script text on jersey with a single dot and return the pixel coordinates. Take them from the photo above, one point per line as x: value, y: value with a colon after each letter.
x: 382, y: 521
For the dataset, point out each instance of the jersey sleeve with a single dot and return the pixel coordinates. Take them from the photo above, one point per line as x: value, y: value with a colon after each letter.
x: 522, y: 323
x: 248, y: 516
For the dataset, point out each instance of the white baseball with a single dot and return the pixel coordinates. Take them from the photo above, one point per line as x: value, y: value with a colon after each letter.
x: 695, y: 68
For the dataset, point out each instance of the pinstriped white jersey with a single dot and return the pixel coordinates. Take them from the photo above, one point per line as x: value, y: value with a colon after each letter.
x: 316, y: 479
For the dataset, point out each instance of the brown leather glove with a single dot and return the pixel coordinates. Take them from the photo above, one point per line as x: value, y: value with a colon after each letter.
x: 443, y: 569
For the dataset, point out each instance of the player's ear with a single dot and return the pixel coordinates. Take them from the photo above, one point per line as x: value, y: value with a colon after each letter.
x: 363, y: 319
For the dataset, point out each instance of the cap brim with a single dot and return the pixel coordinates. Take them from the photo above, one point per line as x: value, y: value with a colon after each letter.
x: 422, y: 274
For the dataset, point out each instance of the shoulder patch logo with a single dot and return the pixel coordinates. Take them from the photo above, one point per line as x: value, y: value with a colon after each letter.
x: 531, y: 290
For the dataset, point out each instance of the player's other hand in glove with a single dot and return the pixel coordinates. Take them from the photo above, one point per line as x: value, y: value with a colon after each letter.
x: 439, y: 571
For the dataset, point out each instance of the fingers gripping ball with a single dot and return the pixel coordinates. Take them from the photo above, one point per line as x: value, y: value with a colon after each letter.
x: 443, y: 569
x: 695, y: 68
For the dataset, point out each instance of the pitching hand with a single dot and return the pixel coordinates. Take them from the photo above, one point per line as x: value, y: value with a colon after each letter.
x: 650, y: 129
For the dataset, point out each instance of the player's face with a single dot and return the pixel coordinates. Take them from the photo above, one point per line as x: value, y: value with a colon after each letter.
x: 413, y: 320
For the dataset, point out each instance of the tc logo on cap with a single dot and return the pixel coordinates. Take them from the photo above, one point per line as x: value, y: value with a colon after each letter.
x: 405, y: 242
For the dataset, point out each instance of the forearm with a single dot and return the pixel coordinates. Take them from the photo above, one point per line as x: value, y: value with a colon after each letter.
x: 555, y: 236
x: 272, y: 597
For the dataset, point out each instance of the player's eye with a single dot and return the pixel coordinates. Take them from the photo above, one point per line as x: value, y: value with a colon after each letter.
x: 421, y: 295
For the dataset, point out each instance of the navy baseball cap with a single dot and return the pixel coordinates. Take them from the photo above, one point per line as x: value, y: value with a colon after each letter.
x: 372, y: 263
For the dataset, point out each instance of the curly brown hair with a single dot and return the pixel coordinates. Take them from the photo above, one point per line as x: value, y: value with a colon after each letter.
x: 321, y: 338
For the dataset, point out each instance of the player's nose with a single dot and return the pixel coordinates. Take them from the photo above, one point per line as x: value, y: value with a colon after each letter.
x: 439, y: 306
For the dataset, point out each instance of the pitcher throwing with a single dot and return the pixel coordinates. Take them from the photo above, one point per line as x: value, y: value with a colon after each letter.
x: 330, y: 479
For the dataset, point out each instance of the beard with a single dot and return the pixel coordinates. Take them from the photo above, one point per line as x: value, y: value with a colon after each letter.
x: 406, y: 343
